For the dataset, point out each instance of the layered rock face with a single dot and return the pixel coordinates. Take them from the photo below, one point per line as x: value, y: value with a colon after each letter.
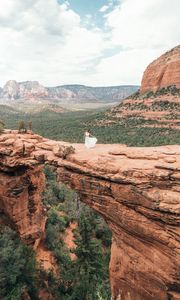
x: 136, y: 190
x: 23, y: 90
x: 21, y: 186
x: 162, y: 72
x: 20, y: 202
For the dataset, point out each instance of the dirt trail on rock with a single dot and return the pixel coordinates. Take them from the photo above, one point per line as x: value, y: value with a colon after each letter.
x: 46, y: 259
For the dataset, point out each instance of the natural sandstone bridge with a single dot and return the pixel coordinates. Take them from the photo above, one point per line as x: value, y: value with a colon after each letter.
x: 136, y: 190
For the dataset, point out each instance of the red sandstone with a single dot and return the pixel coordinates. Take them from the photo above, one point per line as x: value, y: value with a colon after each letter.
x: 136, y: 190
x: 162, y: 72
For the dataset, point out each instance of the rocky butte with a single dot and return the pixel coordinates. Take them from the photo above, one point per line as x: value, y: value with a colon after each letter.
x: 157, y: 103
x: 162, y: 72
x: 136, y: 190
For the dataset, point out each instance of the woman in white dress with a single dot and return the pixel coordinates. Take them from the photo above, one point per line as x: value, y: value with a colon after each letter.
x: 90, y: 141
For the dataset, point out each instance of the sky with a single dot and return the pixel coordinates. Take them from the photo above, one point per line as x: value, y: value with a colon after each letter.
x: 91, y: 42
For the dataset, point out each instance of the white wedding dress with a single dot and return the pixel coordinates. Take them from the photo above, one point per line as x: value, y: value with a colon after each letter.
x: 90, y: 142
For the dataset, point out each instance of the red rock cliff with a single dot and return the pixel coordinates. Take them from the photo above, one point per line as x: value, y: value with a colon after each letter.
x: 136, y: 190
x: 162, y: 72
x: 21, y: 185
x: 159, y: 109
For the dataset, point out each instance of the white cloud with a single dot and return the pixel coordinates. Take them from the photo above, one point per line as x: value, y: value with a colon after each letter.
x: 145, y: 24
x: 104, y: 8
x: 126, y: 67
x: 45, y: 41
x: 144, y: 30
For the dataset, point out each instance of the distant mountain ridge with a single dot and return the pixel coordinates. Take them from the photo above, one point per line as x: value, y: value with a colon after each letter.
x: 33, y: 90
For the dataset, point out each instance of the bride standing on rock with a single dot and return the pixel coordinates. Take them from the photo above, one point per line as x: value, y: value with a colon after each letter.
x: 90, y: 141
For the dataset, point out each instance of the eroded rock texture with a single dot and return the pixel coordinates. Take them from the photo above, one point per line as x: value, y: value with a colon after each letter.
x: 20, y: 200
x: 136, y: 190
x: 162, y: 72
x: 157, y: 104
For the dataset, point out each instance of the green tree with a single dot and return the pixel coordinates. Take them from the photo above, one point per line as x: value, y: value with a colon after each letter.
x: 87, y: 277
x: 21, y: 127
x: 86, y: 274
x: 30, y: 125
x: 1, y: 126
x: 17, y: 267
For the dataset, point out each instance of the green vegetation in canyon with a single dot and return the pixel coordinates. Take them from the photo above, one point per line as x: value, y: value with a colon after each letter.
x: 18, y: 268
x: 86, y: 276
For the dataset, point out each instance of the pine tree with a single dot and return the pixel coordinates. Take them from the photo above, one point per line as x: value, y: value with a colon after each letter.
x: 88, y: 265
x: 18, y: 270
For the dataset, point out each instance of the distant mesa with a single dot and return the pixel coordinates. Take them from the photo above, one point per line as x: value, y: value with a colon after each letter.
x: 23, y: 90
x: 33, y: 90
